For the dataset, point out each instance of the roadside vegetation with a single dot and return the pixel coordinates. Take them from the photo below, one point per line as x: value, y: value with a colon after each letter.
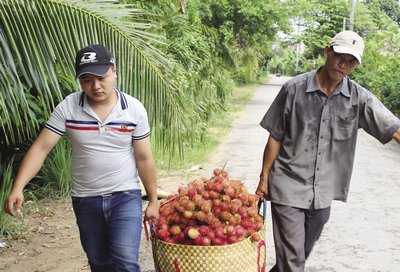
x: 191, y: 62
x: 315, y: 22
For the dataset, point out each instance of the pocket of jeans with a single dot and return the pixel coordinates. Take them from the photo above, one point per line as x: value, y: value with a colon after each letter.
x: 77, y: 201
x: 130, y: 203
x: 133, y: 192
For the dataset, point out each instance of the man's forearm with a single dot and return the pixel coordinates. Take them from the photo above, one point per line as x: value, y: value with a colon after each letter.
x: 270, y: 153
x: 29, y: 167
x: 148, y: 176
x: 146, y: 167
x: 35, y: 157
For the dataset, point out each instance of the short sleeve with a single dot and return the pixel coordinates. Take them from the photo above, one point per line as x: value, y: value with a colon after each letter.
x: 376, y: 119
x: 276, y: 118
x: 142, y: 129
x: 57, y: 120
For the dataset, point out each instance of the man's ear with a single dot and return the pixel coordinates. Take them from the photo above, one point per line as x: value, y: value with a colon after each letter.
x: 326, y: 51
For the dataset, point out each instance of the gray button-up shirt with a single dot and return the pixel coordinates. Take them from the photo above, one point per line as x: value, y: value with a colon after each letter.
x: 318, y: 138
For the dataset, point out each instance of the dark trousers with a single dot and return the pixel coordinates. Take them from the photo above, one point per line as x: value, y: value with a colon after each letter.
x: 295, y: 233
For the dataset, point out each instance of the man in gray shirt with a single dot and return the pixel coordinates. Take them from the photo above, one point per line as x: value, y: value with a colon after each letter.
x: 308, y: 159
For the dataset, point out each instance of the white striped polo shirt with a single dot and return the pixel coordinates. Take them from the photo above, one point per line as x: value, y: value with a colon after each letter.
x: 103, y: 158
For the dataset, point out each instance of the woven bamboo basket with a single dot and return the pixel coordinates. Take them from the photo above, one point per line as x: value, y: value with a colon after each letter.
x: 244, y: 256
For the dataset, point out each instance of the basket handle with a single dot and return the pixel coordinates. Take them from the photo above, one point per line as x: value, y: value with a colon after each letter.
x: 264, y: 204
x: 176, y: 265
x: 146, y: 230
x: 149, y: 224
x: 260, y: 267
x: 261, y: 244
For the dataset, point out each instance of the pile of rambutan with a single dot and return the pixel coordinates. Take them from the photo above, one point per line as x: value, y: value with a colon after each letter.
x: 210, y: 212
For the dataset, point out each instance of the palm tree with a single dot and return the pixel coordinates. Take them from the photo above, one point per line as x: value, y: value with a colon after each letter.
x: 38, y: 42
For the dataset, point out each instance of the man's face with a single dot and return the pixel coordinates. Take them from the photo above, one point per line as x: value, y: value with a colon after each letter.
x: 339, y: 65
x: 98, y: 88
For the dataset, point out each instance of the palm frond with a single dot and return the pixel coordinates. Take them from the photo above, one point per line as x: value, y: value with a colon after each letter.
x: 38, y: 42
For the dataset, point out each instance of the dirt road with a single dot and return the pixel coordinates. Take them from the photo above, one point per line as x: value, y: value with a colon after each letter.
x: 362, y: 234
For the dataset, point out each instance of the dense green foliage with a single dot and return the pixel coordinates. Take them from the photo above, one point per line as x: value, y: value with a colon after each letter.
x: 390, y: 7
x: 214, y: 45
x: 380, y: 71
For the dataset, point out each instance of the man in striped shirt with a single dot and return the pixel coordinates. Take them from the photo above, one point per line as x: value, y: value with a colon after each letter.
x: 111, y: 153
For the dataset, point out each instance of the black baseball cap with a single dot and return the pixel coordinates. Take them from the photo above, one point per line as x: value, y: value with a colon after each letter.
x: 93, y: 59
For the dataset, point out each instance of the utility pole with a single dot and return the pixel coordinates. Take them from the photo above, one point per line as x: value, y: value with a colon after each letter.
x: 352, y: 10
x: 298, y: 44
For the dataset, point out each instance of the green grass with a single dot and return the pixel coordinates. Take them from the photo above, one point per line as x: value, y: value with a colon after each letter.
x: 55, y: 175
x: 9, y: 226
x: 241, y: 96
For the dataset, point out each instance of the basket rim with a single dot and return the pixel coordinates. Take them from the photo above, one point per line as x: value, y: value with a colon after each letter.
x: 262, y: 230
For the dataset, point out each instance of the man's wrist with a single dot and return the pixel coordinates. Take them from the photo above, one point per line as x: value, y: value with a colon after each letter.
x: 153, y: 201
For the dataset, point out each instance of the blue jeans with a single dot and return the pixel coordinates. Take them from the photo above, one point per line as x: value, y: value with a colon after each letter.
x: 110, y: 229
